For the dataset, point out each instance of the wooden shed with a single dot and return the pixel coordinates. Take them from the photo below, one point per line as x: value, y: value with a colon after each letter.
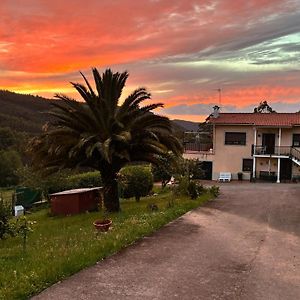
x: 76, y: 201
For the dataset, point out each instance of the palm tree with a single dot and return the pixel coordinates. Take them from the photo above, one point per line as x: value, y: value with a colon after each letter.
x: 264, y: 107
x: 102, y: 134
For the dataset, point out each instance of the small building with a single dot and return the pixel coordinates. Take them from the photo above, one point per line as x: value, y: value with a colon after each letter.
x: 258, y: 145
x: 76, y: 201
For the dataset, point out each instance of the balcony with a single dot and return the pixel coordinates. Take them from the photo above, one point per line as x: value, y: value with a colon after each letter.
x: 197, y: 147
x: 197, y: 142
x: 285, y: 151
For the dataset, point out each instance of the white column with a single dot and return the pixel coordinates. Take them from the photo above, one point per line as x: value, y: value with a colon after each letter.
x: 254, y: 158
x: 278, y: 170
x: 254, y: 167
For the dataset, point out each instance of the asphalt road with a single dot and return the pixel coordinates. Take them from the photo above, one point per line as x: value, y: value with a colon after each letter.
x: 244, y: 245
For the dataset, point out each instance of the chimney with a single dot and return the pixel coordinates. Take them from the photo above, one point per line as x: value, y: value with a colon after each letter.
x: 216, y: 111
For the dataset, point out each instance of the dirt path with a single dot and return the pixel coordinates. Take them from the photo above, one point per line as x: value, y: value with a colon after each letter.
x: 244, y: 245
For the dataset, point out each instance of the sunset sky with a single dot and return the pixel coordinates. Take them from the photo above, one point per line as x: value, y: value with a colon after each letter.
x: 182, y: 51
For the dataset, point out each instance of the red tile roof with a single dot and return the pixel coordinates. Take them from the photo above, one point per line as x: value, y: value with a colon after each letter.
x: 258, y: 119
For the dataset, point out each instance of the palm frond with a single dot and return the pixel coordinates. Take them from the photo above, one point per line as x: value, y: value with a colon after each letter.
x: 100, y: 133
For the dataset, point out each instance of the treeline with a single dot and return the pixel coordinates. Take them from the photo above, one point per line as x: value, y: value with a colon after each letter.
x: 21, y: 117
x: 12, y: 155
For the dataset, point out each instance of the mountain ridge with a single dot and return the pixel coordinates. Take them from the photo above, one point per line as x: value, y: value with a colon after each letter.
x: 28, y: 113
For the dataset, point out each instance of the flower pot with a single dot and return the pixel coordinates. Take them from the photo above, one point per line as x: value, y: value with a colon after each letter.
x: 102, y: 225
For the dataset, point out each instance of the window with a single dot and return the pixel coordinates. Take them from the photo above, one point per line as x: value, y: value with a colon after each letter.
x: 235, y: 138
x: 296, y: 140
x: 247, y: 164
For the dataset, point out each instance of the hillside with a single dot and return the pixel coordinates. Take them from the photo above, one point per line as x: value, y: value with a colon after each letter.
x: 25, y: 113
x: 187, y: 125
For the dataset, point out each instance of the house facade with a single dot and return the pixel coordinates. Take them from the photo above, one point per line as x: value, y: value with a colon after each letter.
x: 258, y: 145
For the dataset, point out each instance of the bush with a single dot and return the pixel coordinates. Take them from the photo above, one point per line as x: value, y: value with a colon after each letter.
x: 59, y: 181
x: 5, y: 215
x: 48, y: 184
x: 165, y: 168
x: 190, y: 188
x: 88, y: 179
x: 215, y: 191
x: 182, y: 188
x: 191, y: 168
x: 135, y: 181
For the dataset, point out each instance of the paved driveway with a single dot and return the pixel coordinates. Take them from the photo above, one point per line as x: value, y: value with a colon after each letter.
x: 244, y: 245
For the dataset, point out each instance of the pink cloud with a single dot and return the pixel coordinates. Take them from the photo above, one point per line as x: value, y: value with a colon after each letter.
x: 44, y: 43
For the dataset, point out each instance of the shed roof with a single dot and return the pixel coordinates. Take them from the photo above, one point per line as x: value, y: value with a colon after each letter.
x: 258, y: 119
x: 76, y: 191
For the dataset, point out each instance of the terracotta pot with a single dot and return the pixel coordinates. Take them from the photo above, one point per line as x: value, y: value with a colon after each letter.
x: 102, y: 225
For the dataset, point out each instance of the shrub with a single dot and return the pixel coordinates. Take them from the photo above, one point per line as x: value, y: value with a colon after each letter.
x: 48, y: 184
x: 22, y: 228
x: 190, y: 188
x: 88, y: 179
x: 182, y: 188
x: 215, y: 191
x: 165, y: 168
x: 135, y: 181
x: 191, y: 168
x: 5, y: 215
x: 59, y: 181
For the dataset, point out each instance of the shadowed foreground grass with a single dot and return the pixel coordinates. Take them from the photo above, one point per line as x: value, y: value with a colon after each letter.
x: 61, y: 246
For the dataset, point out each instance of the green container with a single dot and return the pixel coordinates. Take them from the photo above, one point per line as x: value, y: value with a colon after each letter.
x: 27, y: 197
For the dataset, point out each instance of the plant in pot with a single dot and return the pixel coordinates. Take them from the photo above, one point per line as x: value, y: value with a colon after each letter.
x: 103, y: 224
x: 240, y: 176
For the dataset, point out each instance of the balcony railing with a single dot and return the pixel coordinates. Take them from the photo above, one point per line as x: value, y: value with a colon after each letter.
x: 197, y: 147
x: 274, y: 150
x: 198, y: 142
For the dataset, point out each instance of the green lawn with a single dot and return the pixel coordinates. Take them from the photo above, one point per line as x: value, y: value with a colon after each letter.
x: 61, y: 246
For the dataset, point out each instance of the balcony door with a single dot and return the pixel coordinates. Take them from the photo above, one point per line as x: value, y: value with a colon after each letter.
x: 268, y: 141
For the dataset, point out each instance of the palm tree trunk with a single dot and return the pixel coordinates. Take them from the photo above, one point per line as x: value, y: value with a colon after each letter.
x: 111, y: 193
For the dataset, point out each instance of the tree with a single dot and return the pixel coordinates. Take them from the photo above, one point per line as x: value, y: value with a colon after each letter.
x: 103, y: 135
x: 136, y: 181
x: 165, y: 168
x: 205, y: 133
x: 10, y: 162
x: 192, y: 168
x: 7, y: 138
x: 264, y: 107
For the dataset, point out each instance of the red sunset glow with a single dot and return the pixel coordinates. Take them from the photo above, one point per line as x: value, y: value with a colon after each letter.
x: 182, y: 51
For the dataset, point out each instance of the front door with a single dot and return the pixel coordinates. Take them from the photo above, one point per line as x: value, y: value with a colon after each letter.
x: 207, y: 170
x: 268, y: 141
x: 285, y: 169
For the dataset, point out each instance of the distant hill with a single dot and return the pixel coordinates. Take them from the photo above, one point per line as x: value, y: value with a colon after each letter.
x: 187, y: 125
x: 27, y: 113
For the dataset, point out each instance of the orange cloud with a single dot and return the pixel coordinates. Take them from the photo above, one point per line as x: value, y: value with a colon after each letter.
x: 181, y: 50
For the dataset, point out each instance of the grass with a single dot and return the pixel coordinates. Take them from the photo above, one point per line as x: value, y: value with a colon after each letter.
x: 6, y: 194
x: 61, y: 246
